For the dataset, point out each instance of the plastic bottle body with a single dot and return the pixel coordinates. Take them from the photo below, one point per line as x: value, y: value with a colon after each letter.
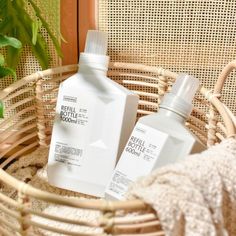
x: 94, y: 118
x: 88, y: 133
x: 157, y: 140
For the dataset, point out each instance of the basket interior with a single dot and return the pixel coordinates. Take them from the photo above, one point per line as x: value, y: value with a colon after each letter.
x: 25, y: 135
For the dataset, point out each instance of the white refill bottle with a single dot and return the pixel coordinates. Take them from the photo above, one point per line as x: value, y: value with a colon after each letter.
x: 158, y: 139
x: 94, y: 119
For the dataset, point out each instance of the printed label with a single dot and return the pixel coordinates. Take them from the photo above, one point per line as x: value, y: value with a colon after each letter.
x: 138, y: 158
x: 69, y: 114
x: 66, y: 154
x: 69, y: 99
x: 72, y: 119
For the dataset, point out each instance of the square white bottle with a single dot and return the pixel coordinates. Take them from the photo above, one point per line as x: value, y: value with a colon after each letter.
x: 94, y: 119
x: 157, y: 139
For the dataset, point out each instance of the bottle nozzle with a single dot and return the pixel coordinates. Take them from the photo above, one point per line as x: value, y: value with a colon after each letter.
x: 181, y: 95
x: 96, y: 42
x: 185, y: 87
x: 94, y: 55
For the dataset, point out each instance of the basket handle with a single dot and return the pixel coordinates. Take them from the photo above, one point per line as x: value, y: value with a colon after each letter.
x: 223, y: 76
x: 220, y: 83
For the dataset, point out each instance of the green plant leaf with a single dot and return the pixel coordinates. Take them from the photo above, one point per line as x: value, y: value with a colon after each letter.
x: 40, y: 49
x: 16, y: 22
x: 4, y: 71
x: 5, y: 23
x: 3, y: 6
x: 47, y: 27
x: 13, y: 54
x: 9, y: 41
x: 37, y: 49
x: 36, y: 25
x: 34, y: 32
x: 1, y: 109
x: 13, y: 57
x: 2, y: 60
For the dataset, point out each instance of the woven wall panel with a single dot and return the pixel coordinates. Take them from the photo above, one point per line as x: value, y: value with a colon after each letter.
x: 193, y: 36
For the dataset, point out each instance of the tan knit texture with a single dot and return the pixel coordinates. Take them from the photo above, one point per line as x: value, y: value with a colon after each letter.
x: 197, y: 196
x: 31, y: 168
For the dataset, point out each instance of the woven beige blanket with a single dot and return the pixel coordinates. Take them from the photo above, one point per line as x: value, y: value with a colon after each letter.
x: 197, y: 196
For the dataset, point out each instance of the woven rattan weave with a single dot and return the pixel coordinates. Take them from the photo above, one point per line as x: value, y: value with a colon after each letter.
x: 27, y: 125
x: 192, y: 36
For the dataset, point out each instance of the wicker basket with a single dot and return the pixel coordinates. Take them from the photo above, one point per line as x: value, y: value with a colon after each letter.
x: 29, y: 111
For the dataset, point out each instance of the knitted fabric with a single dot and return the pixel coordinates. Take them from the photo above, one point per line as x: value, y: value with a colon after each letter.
x: 31, y: 168
x: 194, y: 197
x: 25, y: 168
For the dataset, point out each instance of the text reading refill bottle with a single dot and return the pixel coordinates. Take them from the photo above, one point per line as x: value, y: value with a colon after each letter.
x: 158, y: 139
x: 94, y: 119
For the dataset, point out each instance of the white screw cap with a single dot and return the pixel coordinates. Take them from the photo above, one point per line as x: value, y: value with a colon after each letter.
x: 96, y: 42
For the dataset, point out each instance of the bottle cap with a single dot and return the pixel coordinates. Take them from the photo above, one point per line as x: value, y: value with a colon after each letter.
x: 96, y: 42
x: 181, y: 95
x: 185, y: 87
x: 94, y: 55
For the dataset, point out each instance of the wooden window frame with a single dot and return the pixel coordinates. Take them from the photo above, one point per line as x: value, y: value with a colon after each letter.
x: 69, y: 30
x: 87, y: 10
x: 77, y: 17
